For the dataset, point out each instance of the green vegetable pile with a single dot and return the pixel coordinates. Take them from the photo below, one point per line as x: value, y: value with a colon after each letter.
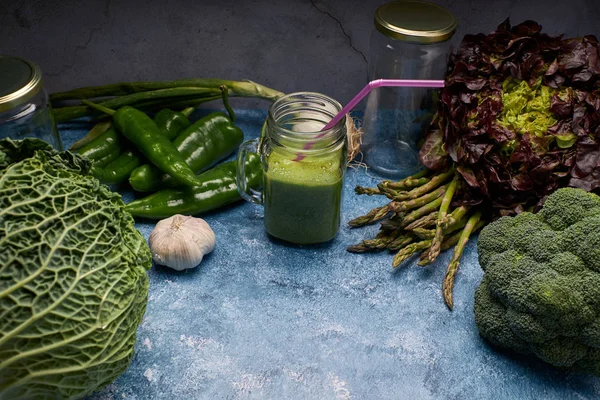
x: 517, y: 119
x: 168, y: 154
x: 73, y: 283
x: 540, y: 293
x: 419, y: 218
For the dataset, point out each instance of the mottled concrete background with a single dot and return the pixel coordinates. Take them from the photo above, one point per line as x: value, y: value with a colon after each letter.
x: 290, y: 45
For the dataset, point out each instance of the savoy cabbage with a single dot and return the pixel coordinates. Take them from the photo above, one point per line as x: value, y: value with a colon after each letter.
x: 73, y: 282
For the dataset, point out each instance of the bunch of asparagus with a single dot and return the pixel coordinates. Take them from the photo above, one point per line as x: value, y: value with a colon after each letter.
x: 419, y: 219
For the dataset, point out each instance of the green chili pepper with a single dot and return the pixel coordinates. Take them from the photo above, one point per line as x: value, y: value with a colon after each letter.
x: 142, y: 131
x: 203, y: 144
x: 218, y: 189
x: 103, y: 149
x: 169, y: 122
x: 96, y: 131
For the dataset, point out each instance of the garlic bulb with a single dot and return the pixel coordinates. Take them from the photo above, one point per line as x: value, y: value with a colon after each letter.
x: 180, y: 242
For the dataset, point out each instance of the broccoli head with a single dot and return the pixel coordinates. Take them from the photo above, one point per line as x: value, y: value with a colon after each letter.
x: 540, y: 293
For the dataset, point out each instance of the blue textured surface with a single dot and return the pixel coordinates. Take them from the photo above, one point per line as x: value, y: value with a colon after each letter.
x: 260, y: 319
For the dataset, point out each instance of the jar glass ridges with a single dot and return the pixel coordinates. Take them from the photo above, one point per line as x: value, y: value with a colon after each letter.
x: 24, y: 106
x: 411, y: 41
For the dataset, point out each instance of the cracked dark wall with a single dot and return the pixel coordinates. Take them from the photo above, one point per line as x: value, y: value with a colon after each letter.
x: 290, y: 45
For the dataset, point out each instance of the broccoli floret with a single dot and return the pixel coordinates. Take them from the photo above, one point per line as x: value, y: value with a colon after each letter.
x: 583, y: 240
x: 540, y: 293
x: 490, y: 316
x: 567, y: 206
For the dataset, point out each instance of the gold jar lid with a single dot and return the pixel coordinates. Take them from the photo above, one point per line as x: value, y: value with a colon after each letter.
x: 415, y: 21
x: 20, y: 81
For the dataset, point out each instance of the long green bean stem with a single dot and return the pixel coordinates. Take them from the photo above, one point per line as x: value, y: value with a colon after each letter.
x: 68, y: 113
x: 244, y: 88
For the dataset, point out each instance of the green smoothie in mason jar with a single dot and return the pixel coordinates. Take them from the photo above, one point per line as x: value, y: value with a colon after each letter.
x: 302, y: 198
x: 304, y: 168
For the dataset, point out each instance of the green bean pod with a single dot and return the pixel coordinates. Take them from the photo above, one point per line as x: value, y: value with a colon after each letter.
x: 103, y: 149
x: 218, y: 189
x: 202, y: 145
x: 168, y: 121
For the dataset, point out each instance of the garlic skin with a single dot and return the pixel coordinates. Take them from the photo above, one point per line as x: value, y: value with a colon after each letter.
x: 180, y: 242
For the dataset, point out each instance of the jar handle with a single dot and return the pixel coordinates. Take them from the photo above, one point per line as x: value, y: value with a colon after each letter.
x: 247, y: 193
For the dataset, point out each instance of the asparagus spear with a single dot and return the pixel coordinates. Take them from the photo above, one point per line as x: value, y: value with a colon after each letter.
x: 423, y: 222
x: 422, y: 211
x: 437, y: 239
x: 450, y: 241
x: 366, y: 190
x: 408, y: 251
x: 393, y: 223
x: 380, y: 242
x: 408, y: 183
x: 457, y: 214
x: 448, y: 282
x: 415, y: 180
x: 420, y: 201
x: 430, y: 233
x: 390, y: 188
x: 372, y: 216
x: 400, y: 242
x: 426, y: 188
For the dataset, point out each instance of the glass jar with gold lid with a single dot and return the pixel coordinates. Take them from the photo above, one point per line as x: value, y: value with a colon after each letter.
x: 411, y: 40
x: 24, y: 106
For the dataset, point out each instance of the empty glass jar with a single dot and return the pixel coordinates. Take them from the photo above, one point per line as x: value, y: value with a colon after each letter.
x: 24, y: 106
x: 411, y: 41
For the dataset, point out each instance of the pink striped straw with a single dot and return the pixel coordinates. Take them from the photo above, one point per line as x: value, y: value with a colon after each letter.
x: 414, y: 83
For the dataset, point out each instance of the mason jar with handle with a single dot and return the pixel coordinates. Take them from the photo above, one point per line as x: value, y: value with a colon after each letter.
x: 303, y: 167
